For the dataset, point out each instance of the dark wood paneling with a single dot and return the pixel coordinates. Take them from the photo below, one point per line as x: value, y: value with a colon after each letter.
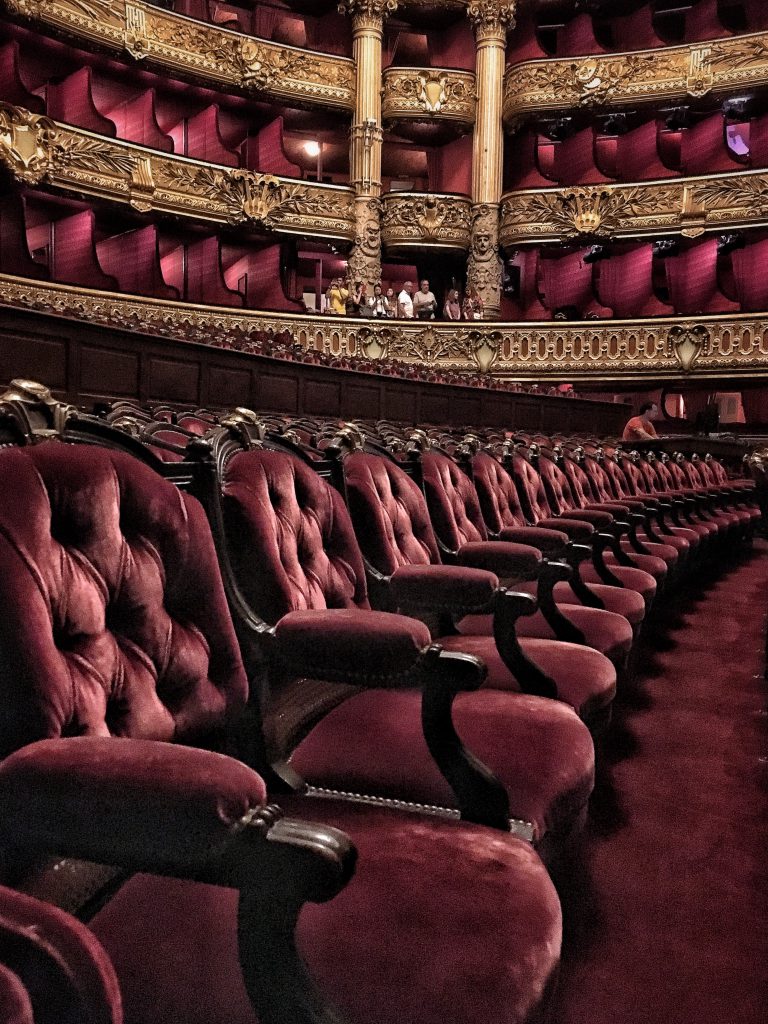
x: 33, y: 357
x: 228, y: 386
x: 173, y: 380
x: 108, y: 372
x: 81, y: 361
x: 322, y: 398
x: 277, y: 392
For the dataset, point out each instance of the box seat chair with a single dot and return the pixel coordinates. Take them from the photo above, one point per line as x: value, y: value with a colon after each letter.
x: 610, y: 564
x: 504, y: 518
x: 124, y: 697
x: 406, y: 573
x: 297, y: 585
x: 702, y: 478
x: 463, y: 538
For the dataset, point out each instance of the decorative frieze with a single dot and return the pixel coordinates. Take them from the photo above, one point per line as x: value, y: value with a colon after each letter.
x: 609, y: 350
x: 428, y: 94
x: 672, y: 73
x: 425, y: 219
x: 215, y: 57
x: 39, y: 151
x: 686, y: 206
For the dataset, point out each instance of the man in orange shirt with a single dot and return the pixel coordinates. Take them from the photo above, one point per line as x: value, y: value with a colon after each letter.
x: 641, y: 428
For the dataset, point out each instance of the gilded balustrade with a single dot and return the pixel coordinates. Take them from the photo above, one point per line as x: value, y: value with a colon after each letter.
x: 708, y: 347
x: 428, y: 94
x: 718, y: 66
x: 40, y: 151
x: 425, y: 220
x: 685, y: 206
x: 196, y: 50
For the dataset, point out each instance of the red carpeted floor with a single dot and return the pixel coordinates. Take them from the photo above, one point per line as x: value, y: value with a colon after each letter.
x: 668, y: 921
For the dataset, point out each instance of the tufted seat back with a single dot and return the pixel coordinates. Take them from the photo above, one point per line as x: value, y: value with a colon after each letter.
x: 532, y: 491
x: 648, y: 476
x: 612, y: 475
x: 665, y: 479
x: 390, y: 514
x: 290, y: 536
x: 678, y: 474
x: 452, y: 501
x: 499, y: 500
x: 113, y: 619
x: 558, y: 488
x: 633, y: 476
x: 599, y: 482
x: 578, y: 481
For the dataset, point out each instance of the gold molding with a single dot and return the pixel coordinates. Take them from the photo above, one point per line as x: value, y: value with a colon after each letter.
x: 425, y: 219
x: 39, y: 151
x: 197, y: 50
x: 612, y: 350
x: 428, y: 94
x: 686, y: 206
x: 606, y: 80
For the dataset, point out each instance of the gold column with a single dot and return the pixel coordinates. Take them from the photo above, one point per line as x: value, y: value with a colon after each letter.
x: 366, y: 136
x: 491, y: 19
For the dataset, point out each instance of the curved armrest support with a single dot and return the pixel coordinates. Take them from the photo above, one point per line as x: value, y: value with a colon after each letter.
x: 350, y: 645
x: 508, y: 560
x: 510, y: 605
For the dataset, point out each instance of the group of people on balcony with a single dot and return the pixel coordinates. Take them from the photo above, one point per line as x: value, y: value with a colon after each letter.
x: 352, y: 299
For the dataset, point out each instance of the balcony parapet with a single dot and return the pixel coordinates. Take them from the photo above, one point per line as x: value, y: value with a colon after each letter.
x: 196, y: 50
x: 40, y: 151
x: 425, y: 220
x: 707, y: 347
x: 685, y: 206
x: 718, y: 66
x: 428, y: 95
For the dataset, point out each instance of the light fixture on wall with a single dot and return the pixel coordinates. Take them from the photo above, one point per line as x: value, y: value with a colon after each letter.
x: 314, y: 151
x: 312, y: 148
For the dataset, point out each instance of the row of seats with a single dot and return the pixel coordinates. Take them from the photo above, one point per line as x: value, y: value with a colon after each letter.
x: 641, y: 279
x: 291, y: 601
x: 712, y: 145
x: 648, y: 26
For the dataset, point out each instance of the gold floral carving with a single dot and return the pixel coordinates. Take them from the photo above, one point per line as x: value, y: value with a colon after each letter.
x: 670, y: 73
x: 431, y: 93
x: 198, y: 50
x: 688, y: 206
x: 484, y: 268
x: 662, y: 348
x: 368, y: 8
x: 426, y: 219
x: 38, y: 150
x: 364, y: 262
x: 492, y: 18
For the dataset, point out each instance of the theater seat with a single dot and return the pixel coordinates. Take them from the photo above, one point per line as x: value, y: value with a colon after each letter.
x: 119, y: 671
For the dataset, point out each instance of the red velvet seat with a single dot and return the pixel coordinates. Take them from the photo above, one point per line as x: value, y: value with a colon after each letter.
x: 115, y: 626
x: 396, y: 536
x: 539, y: 512
x: 503, y: 515
x: 454, y: 508
x: 294, y: 554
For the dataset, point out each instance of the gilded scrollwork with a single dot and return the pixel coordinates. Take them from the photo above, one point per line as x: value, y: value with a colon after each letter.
x: 364, y: 262
x: 688, y: 206
x: 198, y: 50
x: 423, y: 218
x: 484, y: 268
x: 727, y: 346
x: 427, y: 94
x: 38, y: 150
x: 670, y: 73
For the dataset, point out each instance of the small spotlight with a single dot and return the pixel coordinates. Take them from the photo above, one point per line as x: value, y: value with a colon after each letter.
x: 312, y: 148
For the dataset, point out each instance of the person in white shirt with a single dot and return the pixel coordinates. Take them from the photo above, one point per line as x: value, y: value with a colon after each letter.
x: 405, y: 301
x: 424, y: 303
x: 378, y: 306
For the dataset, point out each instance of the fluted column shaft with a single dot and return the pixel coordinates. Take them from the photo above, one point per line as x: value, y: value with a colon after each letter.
x: 366, y: 136
x: 492, y: 19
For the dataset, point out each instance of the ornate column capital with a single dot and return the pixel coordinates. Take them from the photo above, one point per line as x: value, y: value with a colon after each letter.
x: 368, y: 14
x: 492, y: 19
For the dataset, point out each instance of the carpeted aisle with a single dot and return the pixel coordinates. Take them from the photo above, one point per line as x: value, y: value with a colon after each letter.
x: 668, y: 923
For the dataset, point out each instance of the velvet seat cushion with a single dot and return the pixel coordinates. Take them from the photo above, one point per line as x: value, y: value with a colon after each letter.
x: 668, y: 553
x: 373, y: 744
x: 442, y: 921
x: 650, y: 564
x: 604, y: 631
x: 622, y: 601
x: 585, y: 679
